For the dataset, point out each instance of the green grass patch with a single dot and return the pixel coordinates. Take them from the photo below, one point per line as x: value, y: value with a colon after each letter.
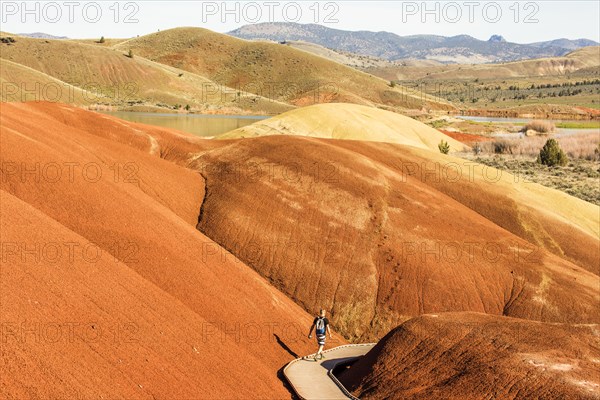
x: 578, y: 124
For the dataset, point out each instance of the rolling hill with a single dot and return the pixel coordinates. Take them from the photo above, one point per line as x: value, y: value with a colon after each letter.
x: 377, y: 245
x: 22, y: 83
x: 351, y: 122
x: 577, y: 60
x: 102, y: 75
x: 275, y: 71
x: 357, y: 61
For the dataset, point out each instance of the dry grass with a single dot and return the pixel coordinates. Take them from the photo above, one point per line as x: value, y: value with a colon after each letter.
x: 98, y: 75
x: 195, y: 66
x: 539, y: 126
x: 285, y: 73
x: 518, y: 156
x: 581, y: 146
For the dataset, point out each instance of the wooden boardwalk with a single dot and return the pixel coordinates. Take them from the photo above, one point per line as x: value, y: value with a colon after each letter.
x: 311, y: 379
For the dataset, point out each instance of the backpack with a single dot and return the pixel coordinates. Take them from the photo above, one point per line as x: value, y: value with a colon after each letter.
x: 320, y: 326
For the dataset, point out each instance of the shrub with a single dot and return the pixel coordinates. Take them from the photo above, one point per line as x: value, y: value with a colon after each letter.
x: 187, y: 107
x: 502, y: 147
x: 438, y: 123
x: 102, y: 40
x: 130, y: 54
x: 444, y: 147
x: 551, y: 154
x: 539, y: 126
x: 392, y: 84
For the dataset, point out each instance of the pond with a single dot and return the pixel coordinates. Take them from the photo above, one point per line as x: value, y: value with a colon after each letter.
x: 196, y: 124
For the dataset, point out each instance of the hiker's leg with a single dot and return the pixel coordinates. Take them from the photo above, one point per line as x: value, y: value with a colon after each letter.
x: 318, y: 352
x: 321, y: 343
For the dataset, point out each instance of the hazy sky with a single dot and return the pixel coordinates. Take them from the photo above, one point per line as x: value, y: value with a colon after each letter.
x: 517, y: 21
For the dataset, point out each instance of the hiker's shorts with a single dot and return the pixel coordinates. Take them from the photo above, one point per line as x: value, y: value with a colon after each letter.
x: 321, y: 340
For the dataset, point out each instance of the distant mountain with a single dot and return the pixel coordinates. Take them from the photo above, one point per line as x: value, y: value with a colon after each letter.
x: 566, y: 43
x: 496, y: 39
x: 41, y: 35
x: 455, y: 49
x: 581, y: 61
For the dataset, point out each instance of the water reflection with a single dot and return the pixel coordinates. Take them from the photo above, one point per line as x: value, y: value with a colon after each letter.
x: 196, y: 124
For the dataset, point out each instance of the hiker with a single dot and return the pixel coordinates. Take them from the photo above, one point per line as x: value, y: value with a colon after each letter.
x: 321, y: 326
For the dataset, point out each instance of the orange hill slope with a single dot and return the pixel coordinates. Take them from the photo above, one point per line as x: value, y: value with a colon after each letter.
x: 476, y: 356
x: 352, y: 226
x: 357, y: 233
x: 366, y: 230
x: 107, y: 288
x: 272, y: 70
x: 547, y: 218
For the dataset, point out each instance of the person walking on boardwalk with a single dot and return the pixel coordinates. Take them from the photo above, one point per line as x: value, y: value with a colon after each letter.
x: 321, y: 327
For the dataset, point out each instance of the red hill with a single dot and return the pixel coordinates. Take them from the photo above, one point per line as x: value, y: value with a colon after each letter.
x: 107, y: 287
x: 476, y: 356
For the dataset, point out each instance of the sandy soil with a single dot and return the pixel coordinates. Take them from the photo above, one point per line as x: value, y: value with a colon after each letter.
x: 350, y: 122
